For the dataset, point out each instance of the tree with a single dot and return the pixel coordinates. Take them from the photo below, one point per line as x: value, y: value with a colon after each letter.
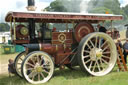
x: 56, y: 6
x: 110, y: 5
x: 101, y: 10
x: 125, y: 9
x: 4, y: 27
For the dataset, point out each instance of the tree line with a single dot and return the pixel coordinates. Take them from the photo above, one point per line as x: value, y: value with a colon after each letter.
x: 93, y: 6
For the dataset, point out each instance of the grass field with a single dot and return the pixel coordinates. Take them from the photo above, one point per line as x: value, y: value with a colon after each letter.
x: 65, y: 77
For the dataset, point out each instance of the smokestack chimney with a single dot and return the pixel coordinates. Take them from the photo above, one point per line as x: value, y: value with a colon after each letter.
x: 31, y: 5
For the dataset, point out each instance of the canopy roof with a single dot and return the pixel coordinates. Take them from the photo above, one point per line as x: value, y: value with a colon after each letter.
x: 60, y: 17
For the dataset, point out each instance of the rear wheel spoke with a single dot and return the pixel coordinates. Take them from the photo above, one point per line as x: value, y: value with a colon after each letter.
x: 108, y: 52
x: 86, y: 56
x: 106, y: 57
x: 105, y: 48
x: 103, y: 43
x: 94, y: 67
x: 99, y: 42
x: 104, y: 61
x: 45, y: 71
x: 101, y: 63
x: 98, y: 66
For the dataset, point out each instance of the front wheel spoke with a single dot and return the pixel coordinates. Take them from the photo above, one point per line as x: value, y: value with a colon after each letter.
x: 21, y: 59
x: 92, y: 43
x: 38, y: 76
x: 90, y: 65
x: 86, y: 51
x: 30, y: 68
x: 87, y: 61
x: 47, y: 67
x: 30, y: 64
x: 41, y: 61
x: 96, y: 42
x: 38, y: 60
x: 86, y: 56
x: 19, y: 63
x: 30, y: 74
x: 89, y: 46
x: 33, y: 61
x: 104, y: 61
x: 19, y: 68
x: 42, y: 75
x: 33, y: 76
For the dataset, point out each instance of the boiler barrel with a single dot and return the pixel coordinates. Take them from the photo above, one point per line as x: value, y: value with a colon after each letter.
x: 41, y: 47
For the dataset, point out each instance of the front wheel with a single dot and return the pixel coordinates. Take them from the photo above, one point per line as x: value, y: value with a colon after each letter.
x: 97, y: 54
x: 37, y: 67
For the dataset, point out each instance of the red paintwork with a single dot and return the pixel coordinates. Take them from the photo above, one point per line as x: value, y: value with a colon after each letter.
x: 82, y: 29
x: 57, y: 49
x: 60, y: 17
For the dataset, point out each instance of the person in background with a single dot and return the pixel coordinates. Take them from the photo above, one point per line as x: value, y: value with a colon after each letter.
x: 119, y: 43
x: 11, y: 68
x: 125, y: 47
x: 101, y: 28
x: 126, y: 30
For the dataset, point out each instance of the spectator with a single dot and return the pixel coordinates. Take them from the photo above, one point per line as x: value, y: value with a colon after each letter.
x: 125, y: 46
x: 101, y: 28
x: 11, y: 68
x: 119, y: 43
x: 126, y: 31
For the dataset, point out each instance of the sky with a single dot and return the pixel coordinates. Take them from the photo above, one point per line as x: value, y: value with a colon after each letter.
x: 17, y: 5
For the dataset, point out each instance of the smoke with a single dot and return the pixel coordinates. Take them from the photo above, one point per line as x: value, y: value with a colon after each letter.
x: 84, y: 6
x: 76, y: 5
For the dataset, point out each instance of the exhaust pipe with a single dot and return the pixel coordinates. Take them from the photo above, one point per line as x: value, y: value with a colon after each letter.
x: 31, y: 5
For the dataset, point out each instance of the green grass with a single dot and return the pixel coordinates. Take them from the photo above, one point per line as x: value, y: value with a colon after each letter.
x: 67, y: 77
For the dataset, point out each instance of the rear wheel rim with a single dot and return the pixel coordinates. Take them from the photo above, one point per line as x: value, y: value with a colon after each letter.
x: 98, y: 54
x: 18, y: 62
x: 38, y: 68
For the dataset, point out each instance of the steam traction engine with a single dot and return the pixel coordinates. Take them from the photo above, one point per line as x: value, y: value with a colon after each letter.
x: 47, y: 47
